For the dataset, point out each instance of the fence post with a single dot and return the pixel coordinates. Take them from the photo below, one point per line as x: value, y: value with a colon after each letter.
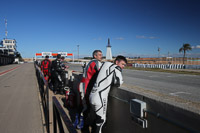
x: 47, y: 93
x: 54, y: 119
x: 58, y: 114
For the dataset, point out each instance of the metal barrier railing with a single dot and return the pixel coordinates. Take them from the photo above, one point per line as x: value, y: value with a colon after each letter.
x: 59, y: 113
x: 44, y: 93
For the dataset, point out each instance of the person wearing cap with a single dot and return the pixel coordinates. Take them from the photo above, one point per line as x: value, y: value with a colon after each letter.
x: 46, y: 67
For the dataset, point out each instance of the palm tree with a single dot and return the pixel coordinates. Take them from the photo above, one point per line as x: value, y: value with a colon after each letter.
x: 184, y: 48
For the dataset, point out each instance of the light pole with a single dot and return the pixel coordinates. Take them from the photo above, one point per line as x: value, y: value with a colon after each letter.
x: 78, y: 51
x: 168, y: 57
x: 158, y: 54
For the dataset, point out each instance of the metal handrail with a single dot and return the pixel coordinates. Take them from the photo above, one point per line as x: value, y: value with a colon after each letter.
x: 58, y: 113
x: 44, y: 93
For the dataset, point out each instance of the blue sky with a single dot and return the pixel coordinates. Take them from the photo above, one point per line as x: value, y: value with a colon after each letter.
x: 135, y: 27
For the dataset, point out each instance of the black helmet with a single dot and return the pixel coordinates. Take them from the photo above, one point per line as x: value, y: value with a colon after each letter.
x: 63, y: 57
x: 58, y: 56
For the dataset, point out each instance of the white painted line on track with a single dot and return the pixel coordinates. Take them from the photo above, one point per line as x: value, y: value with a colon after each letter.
x: 176, y: 93
x: 169, y: 76
x: 154, y: 76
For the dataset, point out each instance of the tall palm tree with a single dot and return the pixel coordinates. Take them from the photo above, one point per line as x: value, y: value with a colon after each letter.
x: 184, y: 48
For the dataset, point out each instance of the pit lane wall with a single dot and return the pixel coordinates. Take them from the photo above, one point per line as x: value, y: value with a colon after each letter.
x: 161, y: 117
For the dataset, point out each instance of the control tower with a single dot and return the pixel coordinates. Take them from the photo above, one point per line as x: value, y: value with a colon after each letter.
x: 8, y: 46
x: 108, y: 51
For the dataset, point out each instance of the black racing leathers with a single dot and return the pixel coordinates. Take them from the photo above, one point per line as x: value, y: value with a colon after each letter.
x: 57, y: 72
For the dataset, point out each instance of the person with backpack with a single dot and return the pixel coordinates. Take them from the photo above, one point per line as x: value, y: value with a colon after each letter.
x: 46, y: 67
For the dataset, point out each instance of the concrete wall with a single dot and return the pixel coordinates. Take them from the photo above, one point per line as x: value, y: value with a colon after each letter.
x: 162, y: 117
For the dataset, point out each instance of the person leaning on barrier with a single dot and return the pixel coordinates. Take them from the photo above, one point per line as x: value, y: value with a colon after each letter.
x: 85, y: 86
x: 110, y: 74
x: 57, y: 71
x: 46, y: 67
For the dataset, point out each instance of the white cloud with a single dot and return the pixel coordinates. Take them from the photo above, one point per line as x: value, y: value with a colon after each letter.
x: 145, y: 37
x: 142, y: 37
x: 119, y: 38
x: 99, y: 38
x: 152, y: 37
x: 196, y: 47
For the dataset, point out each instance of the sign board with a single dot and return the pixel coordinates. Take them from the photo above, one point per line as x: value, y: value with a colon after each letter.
x: 69, y: 54
x: 63, y: 53
x: 38, y: 54
x: 46, y: 53
x: 53, y: 54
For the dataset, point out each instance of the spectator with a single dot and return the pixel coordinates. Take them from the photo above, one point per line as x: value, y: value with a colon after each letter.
x: 109, y: 75
x: 46, y: 67
x: 57, y: 71
x: 89, y: 77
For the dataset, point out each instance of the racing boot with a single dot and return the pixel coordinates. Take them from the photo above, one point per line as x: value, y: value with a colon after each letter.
x: 81, y: 123
x: 76, y: 120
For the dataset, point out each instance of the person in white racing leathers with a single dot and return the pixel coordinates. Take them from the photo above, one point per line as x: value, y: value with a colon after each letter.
x: 110, y: 74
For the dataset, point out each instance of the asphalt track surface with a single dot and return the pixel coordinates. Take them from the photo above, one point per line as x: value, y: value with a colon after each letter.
x: 19, y: 102
x: 179, y: 85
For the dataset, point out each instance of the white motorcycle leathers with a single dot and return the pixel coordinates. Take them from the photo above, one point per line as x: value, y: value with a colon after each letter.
x: 109, y: 74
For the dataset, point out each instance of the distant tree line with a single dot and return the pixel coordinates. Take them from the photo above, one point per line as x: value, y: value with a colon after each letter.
x: 18, y: 55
